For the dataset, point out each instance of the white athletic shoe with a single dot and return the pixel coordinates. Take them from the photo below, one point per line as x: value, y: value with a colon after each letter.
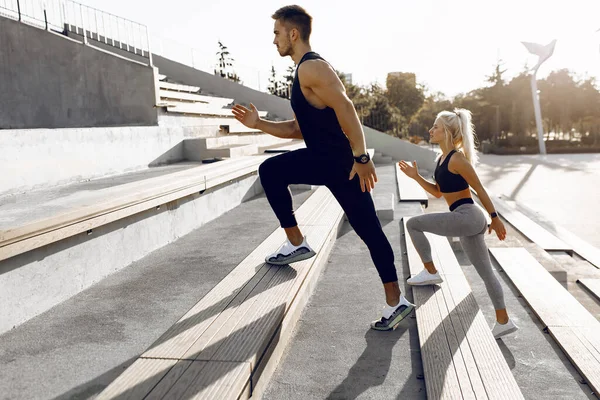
x: 288, y: 253
x: 500, y: 330
x: 424, y: 278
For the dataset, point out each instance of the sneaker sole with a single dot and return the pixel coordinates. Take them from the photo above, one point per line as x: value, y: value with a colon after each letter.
x: 426, y: 283
x: 394, y: 324
x: 507, y: 332
x: 299, y: 257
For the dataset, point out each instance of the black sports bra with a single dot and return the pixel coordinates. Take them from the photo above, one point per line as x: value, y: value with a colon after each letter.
x: 449, y: 182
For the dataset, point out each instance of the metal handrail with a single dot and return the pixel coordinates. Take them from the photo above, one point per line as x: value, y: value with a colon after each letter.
x: 67, y: 16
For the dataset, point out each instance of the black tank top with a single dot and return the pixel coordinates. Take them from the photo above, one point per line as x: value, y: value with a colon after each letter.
x: 449, y: 182
x: 321, y: 130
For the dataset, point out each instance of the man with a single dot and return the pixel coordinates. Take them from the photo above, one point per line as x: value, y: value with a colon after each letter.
x: 335, y: 156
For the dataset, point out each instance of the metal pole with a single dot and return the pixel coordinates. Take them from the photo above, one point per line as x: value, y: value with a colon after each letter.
x: 19, y: 10
x: 149, y: 49
x: 46, y: 18
x: 538, y: 113
x: 83, y: 25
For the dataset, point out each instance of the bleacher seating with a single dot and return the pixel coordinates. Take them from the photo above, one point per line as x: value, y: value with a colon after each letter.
x: 575, y: 330
x: 97, y: 208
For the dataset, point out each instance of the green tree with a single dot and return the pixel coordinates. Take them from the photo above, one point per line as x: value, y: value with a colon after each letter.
x: 225, y: 64
x: 404, y: 93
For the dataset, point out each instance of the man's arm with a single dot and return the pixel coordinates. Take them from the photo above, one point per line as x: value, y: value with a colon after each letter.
x: 249, y: 117
x: 325, y: 83
x: 283, y: 129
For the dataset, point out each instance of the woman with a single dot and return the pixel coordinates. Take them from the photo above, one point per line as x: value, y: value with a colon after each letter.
x: 454, y: 173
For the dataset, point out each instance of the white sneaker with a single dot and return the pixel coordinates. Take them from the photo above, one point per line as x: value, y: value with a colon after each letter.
x: 288, y: 253
x: 425, y: 278
x: 500, y: 330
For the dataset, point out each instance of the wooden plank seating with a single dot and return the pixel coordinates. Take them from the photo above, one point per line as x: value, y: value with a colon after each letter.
x: 409, y: 189
x: 579, y: 246
x: 461, y: 359
x: 178, y: 87
x: 573, y: 327
x: 232, y: 339
x: 527, y: 227
x: 591, y: 284
x: 200, y: 109
x: 111, y: 204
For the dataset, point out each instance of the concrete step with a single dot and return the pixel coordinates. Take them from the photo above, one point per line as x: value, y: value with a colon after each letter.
x: 232, y: 150
x: 380, y: 158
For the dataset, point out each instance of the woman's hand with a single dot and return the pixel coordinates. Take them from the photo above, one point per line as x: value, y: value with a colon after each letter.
x: 409, y: 170
x: 498, y: 227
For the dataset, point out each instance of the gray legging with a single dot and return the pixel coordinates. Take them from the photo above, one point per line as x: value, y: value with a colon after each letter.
x: 469, y: 223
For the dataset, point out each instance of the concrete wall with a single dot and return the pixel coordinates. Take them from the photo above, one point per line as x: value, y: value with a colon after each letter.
x: 209, y: 83
x: 400, y: 149
x: 38, y: 280
x: 43, y: 158
x: 50, y: 81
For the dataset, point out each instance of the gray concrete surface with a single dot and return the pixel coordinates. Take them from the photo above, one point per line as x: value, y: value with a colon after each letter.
x: 35, y: 281
x: 74, y: 350
x: 561, y: 187
x: 35, y: 159
x: 400, y: 149
x: 50, y: 81
x: 334, y: 354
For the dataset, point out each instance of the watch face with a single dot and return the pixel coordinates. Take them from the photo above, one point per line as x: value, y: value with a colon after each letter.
x: 364, y: 159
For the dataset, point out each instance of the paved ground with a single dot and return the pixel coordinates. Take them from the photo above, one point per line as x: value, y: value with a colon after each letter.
x: 564, y: 188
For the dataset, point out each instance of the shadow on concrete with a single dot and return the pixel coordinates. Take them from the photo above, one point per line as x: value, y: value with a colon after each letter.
x: 372, y: 367
x: 242, y: 337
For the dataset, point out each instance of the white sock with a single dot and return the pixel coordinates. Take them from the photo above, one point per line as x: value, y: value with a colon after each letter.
x: 403, y: 301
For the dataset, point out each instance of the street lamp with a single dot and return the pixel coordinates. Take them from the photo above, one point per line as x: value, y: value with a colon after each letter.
x: 544, y: 53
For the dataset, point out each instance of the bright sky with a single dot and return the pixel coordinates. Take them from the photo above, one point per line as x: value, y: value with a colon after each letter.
x: 450, y: 45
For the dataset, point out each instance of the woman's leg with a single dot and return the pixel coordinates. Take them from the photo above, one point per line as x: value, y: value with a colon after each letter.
x: 477, y: 251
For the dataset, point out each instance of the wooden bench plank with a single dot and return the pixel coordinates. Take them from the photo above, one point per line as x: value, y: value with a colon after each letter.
x: 574, y: 328
x: 122, y: 201
x: 480, y: 370
x: 278, y: 284
x: 580, y: 352
x: 237, y: 319
x: 178, y: 340
x: 138, y: 380
x: 201, y: 109
x: 204, y: 380
x: 528, y: 228
x: 409, y: 189
x: 487, y: 367
x: 581, y: 247
x: 535, y: 283
x: 441, y: 378
x: 179, y: 87
x: 593, y: 285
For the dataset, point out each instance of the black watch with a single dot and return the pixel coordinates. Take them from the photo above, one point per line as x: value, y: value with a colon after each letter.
x: 494, y: 215
x: 363, y: 158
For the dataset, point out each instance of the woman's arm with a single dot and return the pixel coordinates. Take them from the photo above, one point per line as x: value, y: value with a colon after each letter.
x: 413, y: 173
x: 460, y: 165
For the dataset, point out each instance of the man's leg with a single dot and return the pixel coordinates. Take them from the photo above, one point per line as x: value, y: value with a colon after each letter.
x: 276, y: 174
x: 360, y: 210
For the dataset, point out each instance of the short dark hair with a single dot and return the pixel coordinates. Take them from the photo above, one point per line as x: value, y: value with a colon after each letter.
x: 297, y: 17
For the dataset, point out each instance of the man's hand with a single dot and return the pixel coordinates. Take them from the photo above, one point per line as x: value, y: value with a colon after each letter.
x: 247, y: 117
x: 366, y: 173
